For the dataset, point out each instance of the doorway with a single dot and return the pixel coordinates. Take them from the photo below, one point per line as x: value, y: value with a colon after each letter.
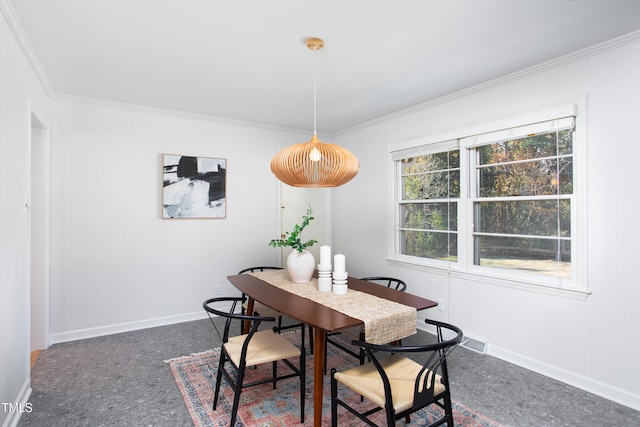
x: 37, y: 204
x: 294, y: 202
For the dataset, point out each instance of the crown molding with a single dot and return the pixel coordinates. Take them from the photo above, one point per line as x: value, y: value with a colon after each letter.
x: 518, y: 75
x: 18, y: 31
x: 16, y: 27
x: 175, y: 113
x: 27, y: 49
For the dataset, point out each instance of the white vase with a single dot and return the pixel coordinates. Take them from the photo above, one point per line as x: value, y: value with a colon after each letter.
x: 300, y: 266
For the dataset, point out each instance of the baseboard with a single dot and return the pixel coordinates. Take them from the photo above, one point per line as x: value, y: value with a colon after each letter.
x: 590, y: 385
x: 21, y: 402
x: 125, y: 327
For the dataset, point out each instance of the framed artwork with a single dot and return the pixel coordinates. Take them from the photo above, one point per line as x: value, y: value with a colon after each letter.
x: 193, y: 187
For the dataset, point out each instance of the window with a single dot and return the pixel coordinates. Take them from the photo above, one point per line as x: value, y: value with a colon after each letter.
x: 430, y: 186
x: 498, y: 202
x: 521, y: 190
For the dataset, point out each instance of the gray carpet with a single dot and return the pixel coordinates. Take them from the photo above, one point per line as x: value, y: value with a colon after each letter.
x: 121, y: 380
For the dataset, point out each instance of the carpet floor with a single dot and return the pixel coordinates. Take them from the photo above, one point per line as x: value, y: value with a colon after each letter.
x: 122, y: 380
x: 262, y: 406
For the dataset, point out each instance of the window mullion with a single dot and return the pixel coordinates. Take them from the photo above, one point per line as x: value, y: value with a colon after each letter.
x: 521, y: 198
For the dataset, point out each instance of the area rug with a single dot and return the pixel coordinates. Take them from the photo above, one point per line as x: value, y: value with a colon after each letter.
x: 262, y: 406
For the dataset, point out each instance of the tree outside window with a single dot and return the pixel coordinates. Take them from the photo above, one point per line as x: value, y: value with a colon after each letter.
x: 496, y: 201
x: 429, y: 207
x: 522, y: 203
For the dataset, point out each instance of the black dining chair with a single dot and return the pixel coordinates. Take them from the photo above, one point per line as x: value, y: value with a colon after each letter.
x: 357, y: 332
x: 397, y: 384
x: 263, y: 310
x: 258, y: 307
x: 252, y: 349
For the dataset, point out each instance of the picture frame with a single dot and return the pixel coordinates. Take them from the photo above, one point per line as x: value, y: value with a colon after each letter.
x: 193, y: 187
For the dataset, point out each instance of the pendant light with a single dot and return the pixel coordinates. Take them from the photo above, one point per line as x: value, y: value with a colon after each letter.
x: 314, y: 163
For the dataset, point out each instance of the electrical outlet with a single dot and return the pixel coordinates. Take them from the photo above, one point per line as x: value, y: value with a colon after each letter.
x: 218, y: 290
x: 440, y: 305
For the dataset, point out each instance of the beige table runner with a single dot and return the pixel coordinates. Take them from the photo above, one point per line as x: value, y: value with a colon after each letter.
x: 384, y: 321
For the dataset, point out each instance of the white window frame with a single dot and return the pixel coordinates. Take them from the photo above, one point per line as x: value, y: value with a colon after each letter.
x: 466, y: 139
x: 423, y: 149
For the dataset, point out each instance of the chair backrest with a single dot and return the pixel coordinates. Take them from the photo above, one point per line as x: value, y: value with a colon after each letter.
x: 261, y: 268
x: 390, y: 282
x: 434, y: 367
x: 212, y: 309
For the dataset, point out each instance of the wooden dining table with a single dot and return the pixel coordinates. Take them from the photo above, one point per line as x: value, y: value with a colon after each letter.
x: 320, y: 317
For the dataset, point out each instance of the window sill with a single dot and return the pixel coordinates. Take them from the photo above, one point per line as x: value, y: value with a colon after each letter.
x: 497, y: 280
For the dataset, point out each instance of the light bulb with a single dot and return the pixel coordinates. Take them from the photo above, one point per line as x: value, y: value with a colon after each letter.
x: 315, y: 155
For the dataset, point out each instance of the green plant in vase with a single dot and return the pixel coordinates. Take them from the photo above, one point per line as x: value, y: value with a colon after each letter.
x: 300, y: 262
x: 293, y: 239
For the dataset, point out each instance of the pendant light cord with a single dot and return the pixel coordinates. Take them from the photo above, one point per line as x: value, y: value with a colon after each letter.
x: 315, y: 101
x: 314, y: 164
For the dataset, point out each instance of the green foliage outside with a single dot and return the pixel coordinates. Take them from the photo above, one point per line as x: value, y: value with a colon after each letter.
x: 430, y: 182
x: 534, y: 176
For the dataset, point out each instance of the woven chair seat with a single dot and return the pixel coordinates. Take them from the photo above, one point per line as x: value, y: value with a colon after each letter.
x: 257, y: 347
x: 402, y: 372
x: 410, y: 385
x: 265, y: 346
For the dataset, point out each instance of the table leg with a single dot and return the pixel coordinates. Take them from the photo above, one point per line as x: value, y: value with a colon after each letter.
x: 320, y: 341
x: 246, y: 325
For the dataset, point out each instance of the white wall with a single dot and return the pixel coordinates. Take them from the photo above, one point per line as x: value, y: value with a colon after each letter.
x: 584, y: 341
x: 116, y: 264
x: 19, y: 88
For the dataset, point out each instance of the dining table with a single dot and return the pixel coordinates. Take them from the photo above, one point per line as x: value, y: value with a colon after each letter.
x: 321, y: 314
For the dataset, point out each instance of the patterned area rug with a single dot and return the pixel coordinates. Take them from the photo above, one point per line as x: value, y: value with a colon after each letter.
x: 262, y: 406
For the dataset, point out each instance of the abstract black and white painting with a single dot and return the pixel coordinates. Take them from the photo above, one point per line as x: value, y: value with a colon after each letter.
x: 193, y: 187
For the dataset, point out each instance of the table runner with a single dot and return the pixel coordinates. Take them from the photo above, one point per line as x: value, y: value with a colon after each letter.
x: 384, y: 321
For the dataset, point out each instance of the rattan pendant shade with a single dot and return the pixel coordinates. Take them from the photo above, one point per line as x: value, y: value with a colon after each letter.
x: 314, y: 163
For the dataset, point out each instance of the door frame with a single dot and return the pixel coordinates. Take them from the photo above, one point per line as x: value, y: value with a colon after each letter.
x: 37, y: 207
x: 292, y: 205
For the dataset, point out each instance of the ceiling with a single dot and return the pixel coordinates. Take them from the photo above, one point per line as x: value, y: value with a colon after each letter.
x: 247, y: 59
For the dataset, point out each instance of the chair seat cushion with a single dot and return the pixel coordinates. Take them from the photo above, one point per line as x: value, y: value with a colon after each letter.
x: 265, y: 346
x: 402, y: 372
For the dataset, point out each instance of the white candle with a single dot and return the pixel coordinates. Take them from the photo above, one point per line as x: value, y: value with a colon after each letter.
x: 325, y: 256
x: 339, y: 263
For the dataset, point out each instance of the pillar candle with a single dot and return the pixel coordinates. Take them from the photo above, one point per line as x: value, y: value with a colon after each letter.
x: 339, y: 263
x: 325, y: 255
